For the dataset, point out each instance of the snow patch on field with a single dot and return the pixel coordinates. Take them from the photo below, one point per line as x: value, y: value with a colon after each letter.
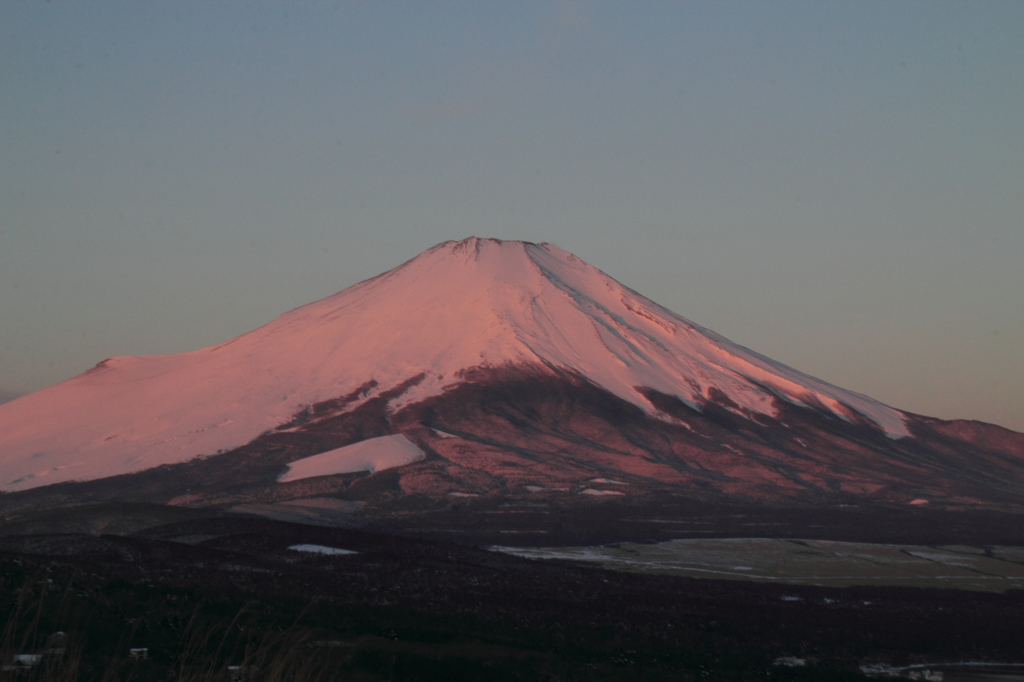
x: 375, y: 454
x: 321, y: 549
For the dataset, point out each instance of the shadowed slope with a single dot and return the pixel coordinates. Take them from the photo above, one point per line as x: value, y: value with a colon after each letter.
x: 518, y: 450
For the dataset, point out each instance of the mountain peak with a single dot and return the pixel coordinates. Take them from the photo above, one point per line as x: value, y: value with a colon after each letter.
x: 494, y: 257
x: 476, y: 244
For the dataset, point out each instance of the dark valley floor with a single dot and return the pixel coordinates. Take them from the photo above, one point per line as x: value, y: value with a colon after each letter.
x: 198, y: 593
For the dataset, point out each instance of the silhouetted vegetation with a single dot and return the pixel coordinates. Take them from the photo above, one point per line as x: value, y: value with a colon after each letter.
x: 204, y: 594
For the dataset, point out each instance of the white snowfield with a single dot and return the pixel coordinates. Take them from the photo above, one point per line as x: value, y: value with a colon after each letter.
x: 460, y: 305
x: 374, y: 454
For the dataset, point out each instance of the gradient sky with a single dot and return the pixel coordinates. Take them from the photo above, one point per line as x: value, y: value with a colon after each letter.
x: 839, y: 186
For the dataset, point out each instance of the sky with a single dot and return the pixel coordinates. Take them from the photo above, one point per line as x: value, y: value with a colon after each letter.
x: 838, y: 186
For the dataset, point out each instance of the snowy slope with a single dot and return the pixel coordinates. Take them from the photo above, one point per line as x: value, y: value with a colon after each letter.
x: 372, y: 455
x: 460, y: 305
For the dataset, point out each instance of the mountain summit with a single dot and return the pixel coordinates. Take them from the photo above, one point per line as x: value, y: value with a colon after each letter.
x: 424, y: 346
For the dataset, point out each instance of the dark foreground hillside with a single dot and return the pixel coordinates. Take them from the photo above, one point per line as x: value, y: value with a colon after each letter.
x: 203, y: 594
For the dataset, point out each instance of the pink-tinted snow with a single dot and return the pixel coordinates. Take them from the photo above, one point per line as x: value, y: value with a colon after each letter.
x: 374, y: 454
x: 460, y: 305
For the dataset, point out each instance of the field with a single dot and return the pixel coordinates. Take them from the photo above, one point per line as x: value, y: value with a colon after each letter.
x: 202, y: 593
x: 808, y: 562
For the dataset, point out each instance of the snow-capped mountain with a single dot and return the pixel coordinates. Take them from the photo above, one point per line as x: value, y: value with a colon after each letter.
x: 417, y: 341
